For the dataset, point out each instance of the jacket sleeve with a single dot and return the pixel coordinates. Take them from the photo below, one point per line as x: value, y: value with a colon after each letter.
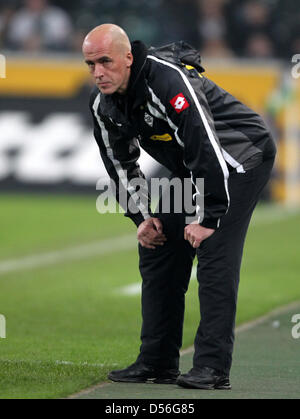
x: 179, y: 96
x: 120, y: 157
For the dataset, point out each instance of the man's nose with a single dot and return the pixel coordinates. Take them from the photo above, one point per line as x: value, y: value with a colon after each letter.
x: 98, y: 70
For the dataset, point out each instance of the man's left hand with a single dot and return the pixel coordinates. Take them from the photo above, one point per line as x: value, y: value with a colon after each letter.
x: 195, y: 234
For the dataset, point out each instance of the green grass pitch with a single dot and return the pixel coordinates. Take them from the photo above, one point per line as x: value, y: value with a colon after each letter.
x: 68, y: 324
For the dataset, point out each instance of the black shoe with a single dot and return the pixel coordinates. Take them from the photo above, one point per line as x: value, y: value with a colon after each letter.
x: 204, y: 378
x: 140, y: 373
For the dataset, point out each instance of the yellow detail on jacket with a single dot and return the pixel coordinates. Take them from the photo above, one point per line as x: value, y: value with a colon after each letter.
x: 190, y: 67
x: 164, y: 137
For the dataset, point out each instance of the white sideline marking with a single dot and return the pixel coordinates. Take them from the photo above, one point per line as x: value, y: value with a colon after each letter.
x: 102, y: 247
x: 265, y: 215
x: 135, y: 289
x: 272, y: 213
x: 132, y: 289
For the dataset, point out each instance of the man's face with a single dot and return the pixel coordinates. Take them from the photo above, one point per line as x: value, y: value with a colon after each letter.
x: 109, y: 66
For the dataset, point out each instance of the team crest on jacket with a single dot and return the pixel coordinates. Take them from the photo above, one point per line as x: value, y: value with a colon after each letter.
x: 179, y: 103
x: 148, y: 119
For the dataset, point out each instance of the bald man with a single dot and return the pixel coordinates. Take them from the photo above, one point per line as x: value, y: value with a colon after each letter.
x: 159, y: 100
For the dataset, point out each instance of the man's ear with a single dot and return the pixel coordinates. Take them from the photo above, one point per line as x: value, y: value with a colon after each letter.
x: 129, y: 59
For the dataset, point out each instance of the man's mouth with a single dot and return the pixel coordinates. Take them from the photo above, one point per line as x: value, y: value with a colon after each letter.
x: 103, y: 84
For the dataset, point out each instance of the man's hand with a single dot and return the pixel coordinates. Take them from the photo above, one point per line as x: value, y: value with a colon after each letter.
x: 150, y: 233
x: 195, y: 233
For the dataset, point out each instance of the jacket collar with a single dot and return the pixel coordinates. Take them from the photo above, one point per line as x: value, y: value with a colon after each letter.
x: 139, y: 52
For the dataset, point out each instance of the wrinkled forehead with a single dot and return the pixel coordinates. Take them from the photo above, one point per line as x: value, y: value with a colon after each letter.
x: 101, y: 45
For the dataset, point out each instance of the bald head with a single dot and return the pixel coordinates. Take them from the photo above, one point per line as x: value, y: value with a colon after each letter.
x: 107, y: 33
x: 107, y: 52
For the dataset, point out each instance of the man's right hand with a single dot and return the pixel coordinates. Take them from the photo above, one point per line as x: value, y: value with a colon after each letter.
x: 150, y: 233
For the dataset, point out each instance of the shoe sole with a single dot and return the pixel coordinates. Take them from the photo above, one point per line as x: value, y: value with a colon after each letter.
x: 188, y: 384
x: 165, y: 381
x: 127, y: 380
x: 144, y: 380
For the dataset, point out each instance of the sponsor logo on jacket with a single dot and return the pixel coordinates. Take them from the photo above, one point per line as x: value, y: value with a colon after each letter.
x: 179, y: 103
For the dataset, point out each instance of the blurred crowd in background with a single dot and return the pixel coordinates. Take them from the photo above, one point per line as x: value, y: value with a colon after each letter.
x: 219, y: 28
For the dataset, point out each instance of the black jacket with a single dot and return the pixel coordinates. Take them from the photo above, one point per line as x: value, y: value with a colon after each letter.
x: 184, y: 121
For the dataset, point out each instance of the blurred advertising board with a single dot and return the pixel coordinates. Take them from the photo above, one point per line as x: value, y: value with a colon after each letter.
x: 46, y: 133
x: 46, y: 128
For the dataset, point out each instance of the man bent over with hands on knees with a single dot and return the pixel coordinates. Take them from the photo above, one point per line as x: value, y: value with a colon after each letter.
x: 159, y: 99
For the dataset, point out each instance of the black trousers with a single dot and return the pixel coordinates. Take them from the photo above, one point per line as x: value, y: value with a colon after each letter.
x: 166, y: 273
